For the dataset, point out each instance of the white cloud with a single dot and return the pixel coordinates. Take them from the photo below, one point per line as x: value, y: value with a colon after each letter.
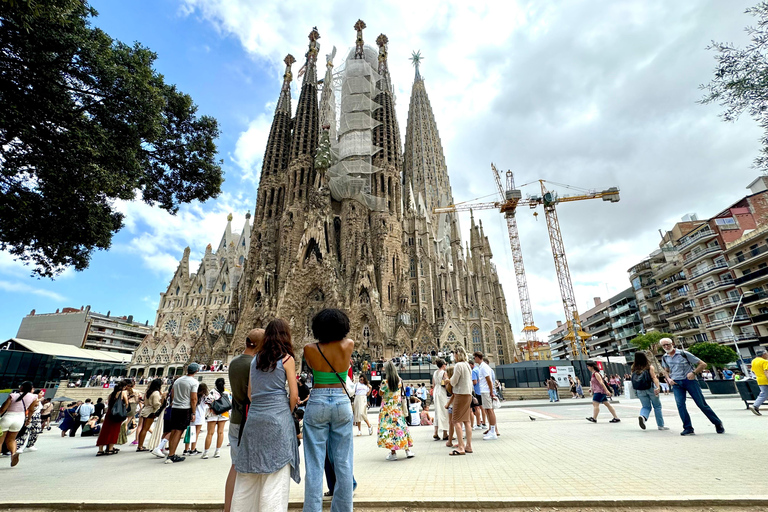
x: 249, y: 149
x: 16, y: 287
x: 594, y: 94
x: 159, y: 238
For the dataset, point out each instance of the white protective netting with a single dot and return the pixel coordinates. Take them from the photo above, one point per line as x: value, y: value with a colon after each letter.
x: 350, y: 176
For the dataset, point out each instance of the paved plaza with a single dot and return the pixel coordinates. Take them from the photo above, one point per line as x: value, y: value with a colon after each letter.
x: 559, y: 456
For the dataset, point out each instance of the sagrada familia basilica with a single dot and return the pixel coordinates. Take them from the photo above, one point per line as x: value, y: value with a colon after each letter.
x: 344, y: 218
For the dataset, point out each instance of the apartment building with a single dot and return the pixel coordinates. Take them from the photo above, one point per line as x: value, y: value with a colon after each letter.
x: 625, y: 322
x: 540, y: 351
x: 85, y: 329
x: 612, y: 323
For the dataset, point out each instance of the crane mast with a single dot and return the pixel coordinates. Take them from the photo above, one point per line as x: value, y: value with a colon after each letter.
x: 512, y: 197
x: 575, y: 334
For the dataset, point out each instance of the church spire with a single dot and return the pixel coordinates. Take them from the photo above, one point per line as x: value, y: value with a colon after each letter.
x: 279, y: 141
x: 359, y: 44
x: 387, y: 134
x: 307, y: 113
x: 424, y: 161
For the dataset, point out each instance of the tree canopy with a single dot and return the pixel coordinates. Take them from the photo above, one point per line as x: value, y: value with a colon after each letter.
x: 714, y: 354
x: 650, y: 340
x: 85, y: 120
x: 741, y: 78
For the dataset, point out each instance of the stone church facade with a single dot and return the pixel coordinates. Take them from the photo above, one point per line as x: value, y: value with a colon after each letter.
x: 344, y: 219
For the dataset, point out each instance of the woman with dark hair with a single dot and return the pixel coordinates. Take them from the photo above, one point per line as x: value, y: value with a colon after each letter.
x: 133, y: 404
x: 153, y: 401
x: 69, y: 419
x: 646, y: 384
x: 16, y: 413
x: 162, y: 431
x: 328, y: 419
x: 110, y: 431
x: 393, y: 429
x: 216, y: 421
x: 268, y: 453
x: 440, y: 398
x: 362, y: 390
x: 35, y: 427
x: 600, y: 394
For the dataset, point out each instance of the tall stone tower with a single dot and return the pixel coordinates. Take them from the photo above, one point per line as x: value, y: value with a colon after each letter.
x: 344, y: 220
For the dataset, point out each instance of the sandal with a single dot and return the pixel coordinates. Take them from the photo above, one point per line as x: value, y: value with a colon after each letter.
x: 469, y: 451
x: 456, y: 452
x: 450, y: 444
x: 436, y: 437
x: 142, y: 449
x: 113, y: 451
x: 99, y: 454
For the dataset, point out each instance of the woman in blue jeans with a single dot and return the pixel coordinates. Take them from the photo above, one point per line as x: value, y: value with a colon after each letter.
x: 328, y: 417
x: 643, y: 373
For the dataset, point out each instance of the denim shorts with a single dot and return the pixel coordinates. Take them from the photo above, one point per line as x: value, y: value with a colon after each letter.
x: 599, y: 397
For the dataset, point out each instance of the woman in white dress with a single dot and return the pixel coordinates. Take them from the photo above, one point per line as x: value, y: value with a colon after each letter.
x: 362, y: 390
x: 440, y: 397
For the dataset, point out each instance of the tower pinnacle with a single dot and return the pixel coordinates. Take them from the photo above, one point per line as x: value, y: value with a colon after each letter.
x: 359, y: 52
x: 307, y: 112
x: 385, y: 83
x: 284, y: 102
x: 416, y: 59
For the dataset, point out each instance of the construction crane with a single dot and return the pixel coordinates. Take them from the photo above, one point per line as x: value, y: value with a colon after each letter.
x: 575, y: 334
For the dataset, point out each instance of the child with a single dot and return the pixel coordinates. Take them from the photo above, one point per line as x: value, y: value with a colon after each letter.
x: 415, y: 410
x: 426, y: 419
x: 298, y: 417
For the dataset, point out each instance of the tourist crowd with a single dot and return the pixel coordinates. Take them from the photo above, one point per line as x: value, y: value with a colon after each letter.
x: 270, y: 411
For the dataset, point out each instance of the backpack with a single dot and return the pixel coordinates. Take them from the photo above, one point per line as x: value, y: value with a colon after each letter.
x: 222, y: 405
x: 642, y: 380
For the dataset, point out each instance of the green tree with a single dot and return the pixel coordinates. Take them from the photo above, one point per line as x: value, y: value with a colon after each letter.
x: 741, y: 78
x: 650, y: 341
x: 84, y: 121
x: 714, y: 354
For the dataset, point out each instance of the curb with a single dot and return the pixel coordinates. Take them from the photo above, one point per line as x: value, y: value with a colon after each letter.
x: 460, y: 504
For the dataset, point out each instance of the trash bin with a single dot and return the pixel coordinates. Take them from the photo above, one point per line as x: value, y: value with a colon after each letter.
x: 748, y: 390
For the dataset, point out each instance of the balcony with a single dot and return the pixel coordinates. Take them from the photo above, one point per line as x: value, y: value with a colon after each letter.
x: 656, y: 324
x: 760, y: 319
x: 677, y: 312
x: 626, y: 320
x: 704, y: 234
x: 706, y: 270
x: 688, y: 329
x: 717, y: 304
x: 601, y: 339
x: 675, y: 296
x: 752, y: 276
x: 716, y: 284
x: 721, y: 322
x: 749, y: 256
x: 755, y: 297
x: 640, y: 267
x: 700, y: 254
x: 623, y: 309
x: 670, y: 281
x: 740, y: 337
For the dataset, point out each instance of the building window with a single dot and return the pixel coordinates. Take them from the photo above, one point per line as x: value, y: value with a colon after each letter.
x: 423, y: 293
x: 499, y: 343
x: 413, y: 268
x: 477, y: 342
x: 414, y: 296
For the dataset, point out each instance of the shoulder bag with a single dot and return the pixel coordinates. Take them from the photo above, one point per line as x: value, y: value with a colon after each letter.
x: 222, y: 404
x: 119, y: 410
x: 642, y: 380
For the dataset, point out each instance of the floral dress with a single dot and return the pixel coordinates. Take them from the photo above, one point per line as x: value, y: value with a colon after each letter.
x: 393, y: 431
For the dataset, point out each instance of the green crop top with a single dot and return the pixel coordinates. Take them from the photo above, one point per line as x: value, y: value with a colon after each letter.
x: 328, y: 377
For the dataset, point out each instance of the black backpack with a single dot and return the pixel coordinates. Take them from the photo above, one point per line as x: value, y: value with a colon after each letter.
x: 642, y: 380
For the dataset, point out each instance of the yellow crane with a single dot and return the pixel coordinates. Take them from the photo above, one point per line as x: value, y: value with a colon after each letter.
x: 512, y: 198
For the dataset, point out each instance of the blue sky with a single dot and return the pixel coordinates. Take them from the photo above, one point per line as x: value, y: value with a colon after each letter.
x: 590, y: 93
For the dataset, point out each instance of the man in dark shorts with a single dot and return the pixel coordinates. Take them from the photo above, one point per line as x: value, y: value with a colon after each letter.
x: 182, y: 409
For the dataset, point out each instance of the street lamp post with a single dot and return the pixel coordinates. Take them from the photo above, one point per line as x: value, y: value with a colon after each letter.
x: 742, y: 364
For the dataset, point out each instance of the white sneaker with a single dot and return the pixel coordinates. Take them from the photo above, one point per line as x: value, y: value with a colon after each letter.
x: 31, y: 448
x: 168, y: 460
x: 216, y: 454
x: 409, y: 454
x: 157, y: 453
x: 392, y: 456
x: 477, y: 427
x: 370, y: 431
x: 204, y: 455
x: 166, y: 452
x: 20, y: 450
x: 663, y: 428
x: 490, y: 436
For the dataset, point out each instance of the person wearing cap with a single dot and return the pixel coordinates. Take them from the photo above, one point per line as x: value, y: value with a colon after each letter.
x: 760, y: 369
x: 182, y: 409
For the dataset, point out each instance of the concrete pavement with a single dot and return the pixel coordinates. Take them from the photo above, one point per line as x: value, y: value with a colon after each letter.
x: 559, y: 456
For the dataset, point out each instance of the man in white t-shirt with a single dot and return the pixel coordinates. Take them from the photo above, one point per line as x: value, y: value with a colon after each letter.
x: 182, y: 409
x: 487, y: 394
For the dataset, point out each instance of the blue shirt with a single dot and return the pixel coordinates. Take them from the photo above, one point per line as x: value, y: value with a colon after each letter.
x: 476, y: 377
x: 680, y: 364
x: 408, y: 391
x: 728, y: 374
